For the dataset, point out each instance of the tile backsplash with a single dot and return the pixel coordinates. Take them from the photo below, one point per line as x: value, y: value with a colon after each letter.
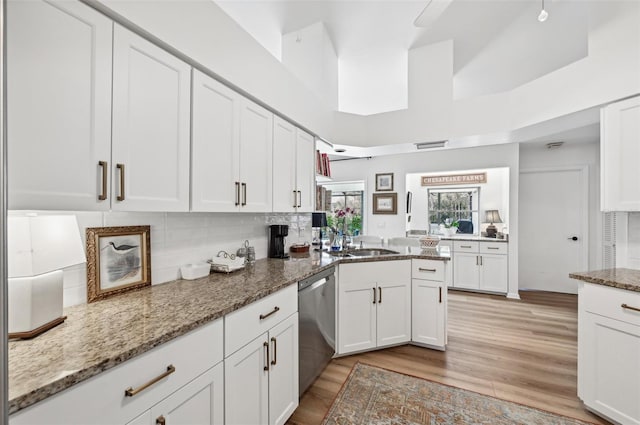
x: 182, y: 238
x: 633, y: 241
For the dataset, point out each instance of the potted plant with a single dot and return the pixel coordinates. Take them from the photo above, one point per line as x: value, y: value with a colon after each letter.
x: 450, y: 227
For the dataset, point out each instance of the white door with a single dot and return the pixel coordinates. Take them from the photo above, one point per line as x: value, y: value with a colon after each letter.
x: 256, y: 144
x: 494, y: 276
x: 393, y: 321
x: 246, y: 384
x: 200, y: 402
x: 151, y: 116
x: 283, y: 372
x: 465, y: 270
x: 553, y: 211
x: 306, y: 172
x: 285, y: 195
x: 59, y: 105
x: 215, y: 146
x: 428, y: 312
x: 357, y: 300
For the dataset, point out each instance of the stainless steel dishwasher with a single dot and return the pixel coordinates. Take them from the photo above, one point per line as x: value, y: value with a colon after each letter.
x: 317, y: 327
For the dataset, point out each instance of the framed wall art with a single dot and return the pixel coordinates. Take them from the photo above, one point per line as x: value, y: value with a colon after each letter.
x: 384, y: 182
x: 385, y: 203
x: 118, y: 260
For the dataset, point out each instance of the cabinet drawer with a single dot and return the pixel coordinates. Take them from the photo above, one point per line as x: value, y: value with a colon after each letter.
x: 493, y: 248
x: 101, y: 399
x: 246, y: 324
x: 607, y: 301
x: 427, y: 270
x: 466, y: 246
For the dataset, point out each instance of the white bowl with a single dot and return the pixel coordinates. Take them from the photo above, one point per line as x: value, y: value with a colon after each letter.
x: 429, y: 242
x: 195, y: 271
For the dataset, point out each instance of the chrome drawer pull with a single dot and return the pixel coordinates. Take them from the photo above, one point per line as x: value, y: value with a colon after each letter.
x: 492, y: 247
x: 426, y: 270
x: 465, y: 246
x: 130, y: 392
x: 274, y: 311
x: 628, y: 307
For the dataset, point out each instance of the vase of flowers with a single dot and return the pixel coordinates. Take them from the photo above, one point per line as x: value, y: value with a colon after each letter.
x: 343, y: 218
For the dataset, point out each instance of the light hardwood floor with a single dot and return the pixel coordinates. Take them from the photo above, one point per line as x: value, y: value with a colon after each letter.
x: 523, y: 351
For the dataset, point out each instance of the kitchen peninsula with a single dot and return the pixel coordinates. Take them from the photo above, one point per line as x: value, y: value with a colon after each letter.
x: 114, y: 332
x: 609, y: 343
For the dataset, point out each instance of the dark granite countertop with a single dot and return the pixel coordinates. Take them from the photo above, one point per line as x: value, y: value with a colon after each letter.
x: 617, y: 278
x: 101, y: 335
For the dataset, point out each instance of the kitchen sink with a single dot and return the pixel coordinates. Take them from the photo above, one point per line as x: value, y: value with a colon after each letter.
x: 363, y: 252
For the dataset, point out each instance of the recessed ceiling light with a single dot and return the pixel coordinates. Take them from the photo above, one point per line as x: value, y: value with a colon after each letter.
x: 432, y: 145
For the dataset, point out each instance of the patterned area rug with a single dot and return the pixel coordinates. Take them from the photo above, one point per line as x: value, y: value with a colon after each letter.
x: 377, y: 396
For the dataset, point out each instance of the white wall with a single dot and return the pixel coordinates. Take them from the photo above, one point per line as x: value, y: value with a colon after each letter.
x: 309, y: 54
x: 537, y: 156
x: 386, y: 226
x: 182, y: 238
x: 494, y: 194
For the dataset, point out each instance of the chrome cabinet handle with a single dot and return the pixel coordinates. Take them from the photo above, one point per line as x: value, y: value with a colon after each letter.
x: 266, y: 363
x: 379, y: 295
x: 160, y: 420
x: 103, y: 166
x: 275, y: 351
x: 120, y: 167
x: 237, y: 193
x: 244, y: 194
x: 295, y: 198
x: 426, y: 270
x: 628, y: 307
x: 374, y: 295
x: 299, y: 199
x: 274, y: 311
x: 130, y: 392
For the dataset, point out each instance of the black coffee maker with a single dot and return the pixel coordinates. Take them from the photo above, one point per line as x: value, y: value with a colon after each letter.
x: 277, y: 235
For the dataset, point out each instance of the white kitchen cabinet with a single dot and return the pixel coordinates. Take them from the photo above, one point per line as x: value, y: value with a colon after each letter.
x: 151, y: 134
x: 481, y: 266
x: 374, y: 305
x: 609, y: 352
x: 261, y: 360
x: 261, y: 378
x: 232, y: 142
x: 102, y: 400
x: 293, y: 168
x: 58, y: 105
x: 200, y: 402
x: 619, y: 155
x: 428, y: 303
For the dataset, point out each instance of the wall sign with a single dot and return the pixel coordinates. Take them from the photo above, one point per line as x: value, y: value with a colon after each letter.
x: 453, y: 179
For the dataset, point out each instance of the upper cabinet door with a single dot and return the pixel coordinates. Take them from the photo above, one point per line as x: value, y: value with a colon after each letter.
x: 306, y: 172
x: 285, y: 194
x: 151, y: 111
x: 215, y: 147
x: 59, y: 105
x: 256, y: 144
x: 620, y: 153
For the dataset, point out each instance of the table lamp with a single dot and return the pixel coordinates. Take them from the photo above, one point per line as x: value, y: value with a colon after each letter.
x: 492, y: 216
x: 318, y: 220
x: 38, y: 247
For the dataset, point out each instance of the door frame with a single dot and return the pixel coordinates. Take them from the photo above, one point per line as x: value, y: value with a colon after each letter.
x: 584, y: 191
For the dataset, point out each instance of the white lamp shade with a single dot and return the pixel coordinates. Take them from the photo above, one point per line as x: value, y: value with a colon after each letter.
x: 492, y: 216
x: 41, y: 244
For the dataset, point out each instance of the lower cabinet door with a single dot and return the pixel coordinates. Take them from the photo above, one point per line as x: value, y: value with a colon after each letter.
x: 465, y: 270
x: 143, y: 419
x: 283, y: 370
x: 428, y: 313
x: 494, y: 275
x: 357, y: 315
x: 610, y: 350
x: 200, y: 402
x: 246, y: 388
x: 394, y: 310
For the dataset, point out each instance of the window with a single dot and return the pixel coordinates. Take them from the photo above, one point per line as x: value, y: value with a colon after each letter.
x: 341, y: 200
x: 448, y: 205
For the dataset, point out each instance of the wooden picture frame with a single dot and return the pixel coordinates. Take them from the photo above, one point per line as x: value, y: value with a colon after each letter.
x: 384, y: 182
x: 385, y: 203
x: 118, y: 260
